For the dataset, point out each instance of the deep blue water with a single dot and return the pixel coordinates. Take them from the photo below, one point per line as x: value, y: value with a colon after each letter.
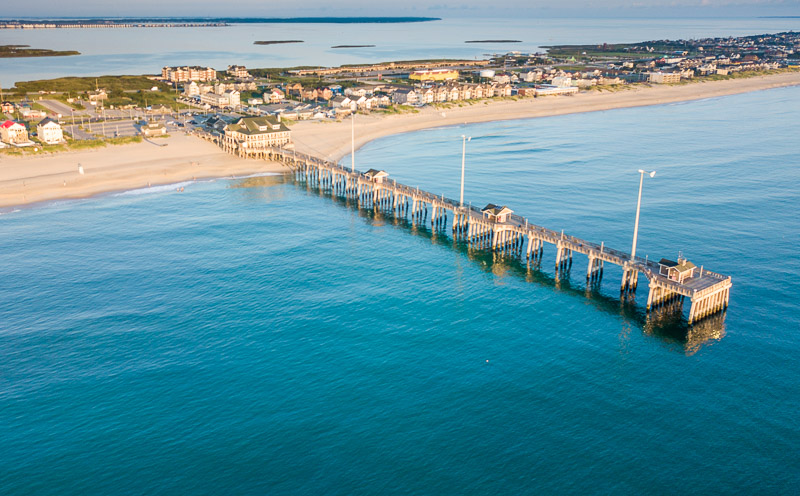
x: 256, y: 337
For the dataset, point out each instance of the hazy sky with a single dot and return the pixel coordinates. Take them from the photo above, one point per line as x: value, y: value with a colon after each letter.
x: 433, y: 8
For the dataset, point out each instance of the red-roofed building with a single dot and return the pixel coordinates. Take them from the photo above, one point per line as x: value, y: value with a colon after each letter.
x: 13, y: 133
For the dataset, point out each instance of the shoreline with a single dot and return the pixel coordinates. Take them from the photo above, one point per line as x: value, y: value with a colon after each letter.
x: 331, y: 140
x: 37, y: 179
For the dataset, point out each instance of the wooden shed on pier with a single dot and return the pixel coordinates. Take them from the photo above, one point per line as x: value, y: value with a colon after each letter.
x: 496, y: 213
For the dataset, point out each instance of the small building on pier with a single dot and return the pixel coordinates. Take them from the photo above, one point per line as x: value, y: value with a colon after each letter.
x: 677, y: 271
x: 496, y: 213
x: 376, y: 176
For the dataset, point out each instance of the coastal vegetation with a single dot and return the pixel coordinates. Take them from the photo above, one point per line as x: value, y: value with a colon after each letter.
x: 18, y: 51
x: 72, y: 145
x: 77, y: 85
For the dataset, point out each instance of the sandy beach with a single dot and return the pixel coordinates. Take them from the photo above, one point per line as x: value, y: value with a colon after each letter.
x: 25, y: 180
x: 332, y: 140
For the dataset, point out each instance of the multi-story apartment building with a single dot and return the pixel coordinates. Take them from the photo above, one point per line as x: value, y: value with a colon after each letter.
x: 186, y: 74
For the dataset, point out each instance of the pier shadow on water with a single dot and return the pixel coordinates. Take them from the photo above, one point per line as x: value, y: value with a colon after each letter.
x: 669, y: 324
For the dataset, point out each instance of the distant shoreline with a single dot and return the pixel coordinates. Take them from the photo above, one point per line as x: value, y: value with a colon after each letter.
x: 493, y: 41
x: 22, y: 51
x: 331, y: 141
x: 149, y: 22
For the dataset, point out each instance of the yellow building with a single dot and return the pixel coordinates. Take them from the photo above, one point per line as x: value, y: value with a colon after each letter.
x: 434, y: 75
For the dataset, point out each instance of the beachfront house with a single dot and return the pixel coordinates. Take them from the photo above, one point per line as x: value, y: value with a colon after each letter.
x: 252, y: 136
x: 7, y: 108
x: 152, y: 129
x: 496, y: 213
x: 405, y: 97
x: 677, y: 271
x: 13, y: 133
x: 274, y: 96
x: 664, y: 77
x: 49, y: 132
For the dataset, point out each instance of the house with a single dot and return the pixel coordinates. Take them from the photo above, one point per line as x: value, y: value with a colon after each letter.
x: 294, y: 90
x: 153, y: 129
x: 97, y: 96
x: 562, y: 81
x: 230, y: 98
x: 376, y: 176
x: 49, y: 131
x: 496, y: 213
x: 238, y: 71
x: 255, y: 134
x: 549, y: 90
x: 31, y: 114
x: 13, y: 133
x: 234, y: 98
x: 274, y: 96
x: 7, y: 107
x: 404, y: 97
x: 309, y: 94
x: 664, y: 77
x: 502, y: 90
x: 191, y: 89
x: 677, y: 271
x: 339, y: 101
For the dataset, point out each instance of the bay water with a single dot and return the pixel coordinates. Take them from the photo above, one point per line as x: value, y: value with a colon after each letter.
x: 147, y: 50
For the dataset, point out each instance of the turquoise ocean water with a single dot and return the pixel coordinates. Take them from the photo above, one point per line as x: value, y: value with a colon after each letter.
x: 256, y: 337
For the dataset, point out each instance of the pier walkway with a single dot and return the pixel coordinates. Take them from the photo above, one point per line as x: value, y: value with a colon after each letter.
x: 509, y: 234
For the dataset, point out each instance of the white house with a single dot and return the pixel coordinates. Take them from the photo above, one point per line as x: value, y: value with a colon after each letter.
x: 13, y: 133
x: 49, y: 131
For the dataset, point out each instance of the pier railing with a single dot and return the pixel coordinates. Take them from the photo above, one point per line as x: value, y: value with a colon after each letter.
x: 708, y: 290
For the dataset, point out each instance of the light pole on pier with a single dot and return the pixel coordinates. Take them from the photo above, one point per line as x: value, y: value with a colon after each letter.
x: 463, y: 163
x: 353, y: 141
x: 638, y: 206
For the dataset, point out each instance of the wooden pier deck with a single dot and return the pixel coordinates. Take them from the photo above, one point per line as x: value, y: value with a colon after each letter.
x: 513, y: 235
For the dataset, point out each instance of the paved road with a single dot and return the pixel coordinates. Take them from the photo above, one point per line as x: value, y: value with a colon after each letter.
x: 57, y: 107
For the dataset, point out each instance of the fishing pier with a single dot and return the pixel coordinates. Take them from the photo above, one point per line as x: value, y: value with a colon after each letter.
x: 498, y: 229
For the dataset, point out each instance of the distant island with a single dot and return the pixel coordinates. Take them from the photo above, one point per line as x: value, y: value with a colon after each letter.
x: 16, y: 51
x: 276, y: 42
x: 353, y: 46
x: 149, y: 22
x: 493, y: 41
